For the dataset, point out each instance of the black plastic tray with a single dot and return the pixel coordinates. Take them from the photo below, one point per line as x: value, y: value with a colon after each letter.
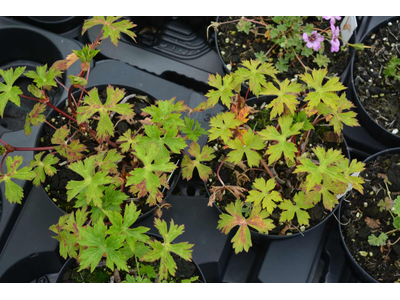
x: 29, y: 254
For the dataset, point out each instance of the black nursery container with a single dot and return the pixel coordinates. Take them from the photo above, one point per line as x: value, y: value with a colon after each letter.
x: 71, y: 261
x: 266, y: 237
x: 360, y: 272
x: 377, y: 131
x: 173, y: 177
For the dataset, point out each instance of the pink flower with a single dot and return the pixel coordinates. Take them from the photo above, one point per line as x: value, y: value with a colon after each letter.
x: 333, y: 19
x: 335, y: 43
x: 313, y: 40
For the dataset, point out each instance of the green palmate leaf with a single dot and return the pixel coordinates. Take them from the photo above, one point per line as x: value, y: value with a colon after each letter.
x: 112, y: 201
x: 35, y: 117
x: 391, y: 68
x: 129, y: 141
x: 244, y: 26
x: 288, y: 149
x: 110, y: 28
x: 92, y: 105
x: 14, y: 193
x: 282, y: 65
x: 254, y: 72
x: 188, y: 165
x: 257, y: 220
x: 325, y: 93
x: 289, y: 209
x: 339, y: 115
x: 193, y: 133
x: 43, y: 78
x: 137, y: 279
x: 222, y: 126
x: 91, y: 185
x: 286, y: 97
x: 264, y: 194
x: 153, y: 162
x: 107, y: 161
x: 396, y: 222
x: 327, y: 191
x: 223, y: 90
x: 377, y: 240
x: 8, y: 91
x: 301, y: 117
x: 350, y: 168
x: 166, y: 113
x: 247, y: 145
x: 35, y: 91
x: 99, y: 246
x: 261, y: 56
x: 67, y: 230
x: 322, y: 60
x: 386, y: 204
x: 121, y: 226
x: 327, y: 166
x: 43, y: 168
x: 76, y: 80
x: 71, y: 150
x: 169, y: 138
x: 162, y: 250
x: 86, y: 54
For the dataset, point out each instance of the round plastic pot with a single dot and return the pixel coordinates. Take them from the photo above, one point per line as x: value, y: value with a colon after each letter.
x: 70, y: 261
x: 30, y: 49
x: 262, y: 236
x: 360, y: 272
x: 173, y: 178
x: 377, y: 131
x: 343, y: 76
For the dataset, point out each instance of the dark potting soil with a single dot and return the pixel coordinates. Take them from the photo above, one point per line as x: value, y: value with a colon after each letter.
x: 379, y: 95
x: 102, y: 274
x: 229, y: 175
x: 55, y: 185
x: 231, y: 46
x: 382, y: 263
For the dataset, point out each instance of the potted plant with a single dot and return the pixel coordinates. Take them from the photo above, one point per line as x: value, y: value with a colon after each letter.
x: 370, y: 227
x: 293, y: 44
x: 375, y: 82
x: 277, y: 168
x: 114, y: 166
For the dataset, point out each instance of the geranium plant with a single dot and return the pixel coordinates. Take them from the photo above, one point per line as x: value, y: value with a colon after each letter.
x: 268, y: 167
x: 292, y: 38
x: 114, y: 169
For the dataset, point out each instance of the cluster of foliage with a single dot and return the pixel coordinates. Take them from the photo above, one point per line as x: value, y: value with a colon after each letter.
x: 139, y: 159
x: 393, y: 207
x: 392, y: 68
x: 295, y: 36
x: 321, y: 174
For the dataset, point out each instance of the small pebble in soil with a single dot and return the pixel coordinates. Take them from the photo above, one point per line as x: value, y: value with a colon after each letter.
x: 373, y: 36
x: 222, y: 52
x: 365, y: 204
x: 227, y: 40
x: 371, y: 254
x: 302, y: 228
x: 390, y: 24
x: 363, y: 253
x: 395, y: 131
x: 357, y: 215
x: 229, y: 67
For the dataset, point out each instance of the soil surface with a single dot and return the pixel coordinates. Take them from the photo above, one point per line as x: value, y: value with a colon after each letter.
x: 102, y: 274
x: 362, y: 215
x: 55, y: 186
x: 379, y: 95
x: 236, y: 47
x: 229, y: 174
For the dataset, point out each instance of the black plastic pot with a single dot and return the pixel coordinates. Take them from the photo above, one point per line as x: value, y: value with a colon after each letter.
x: 378, y: 132
x: 343, y: 77
x: 360, y: 272
x: 29, y: 225
x: 71, y: 261
x: 257, y: 235
x: 174, y: 176
x: 30, y: 47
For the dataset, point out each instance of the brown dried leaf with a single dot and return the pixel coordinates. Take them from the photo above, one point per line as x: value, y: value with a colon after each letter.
x: 372, y: 223
x: 218, y: 192
x: 146, y: 121
x: 241, y: 178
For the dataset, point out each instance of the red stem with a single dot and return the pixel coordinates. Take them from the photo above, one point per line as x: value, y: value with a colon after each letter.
x: 51, y: 125
x: 33, y: 148
x: 61, y: 112
x: 219, y: 168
